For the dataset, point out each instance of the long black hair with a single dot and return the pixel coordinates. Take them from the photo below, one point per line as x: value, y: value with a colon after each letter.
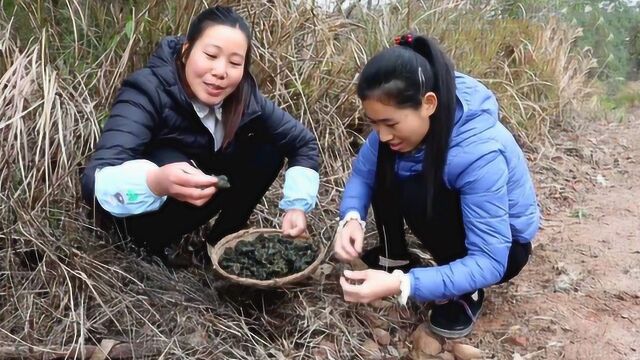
x: 233, y: 106
x: 401, y: 76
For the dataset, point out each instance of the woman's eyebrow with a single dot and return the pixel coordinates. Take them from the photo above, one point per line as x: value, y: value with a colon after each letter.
x: 377, y: 120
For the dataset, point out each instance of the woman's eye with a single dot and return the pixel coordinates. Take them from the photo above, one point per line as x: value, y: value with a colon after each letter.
x: 212, y: 56
x: 236, y: 64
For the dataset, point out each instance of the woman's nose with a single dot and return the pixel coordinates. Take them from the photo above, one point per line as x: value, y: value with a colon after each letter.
x: 219, y: 69
x: 385, y: 135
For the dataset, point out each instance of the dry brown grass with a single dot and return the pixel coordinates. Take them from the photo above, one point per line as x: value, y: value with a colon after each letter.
x: 64, y: 287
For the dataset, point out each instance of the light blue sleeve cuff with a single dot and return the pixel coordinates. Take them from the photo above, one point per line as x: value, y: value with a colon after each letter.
x: 300, y: 189
x: 122, y: 190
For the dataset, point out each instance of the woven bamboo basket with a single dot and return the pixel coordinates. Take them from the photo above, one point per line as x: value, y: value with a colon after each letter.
x: 215, y: 252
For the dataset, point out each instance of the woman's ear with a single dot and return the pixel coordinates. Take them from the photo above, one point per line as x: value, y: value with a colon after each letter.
x: 184, y: 50
x: 429, y: 104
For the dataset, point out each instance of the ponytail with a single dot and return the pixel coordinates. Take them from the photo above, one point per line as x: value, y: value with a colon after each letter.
x: 437, y: 142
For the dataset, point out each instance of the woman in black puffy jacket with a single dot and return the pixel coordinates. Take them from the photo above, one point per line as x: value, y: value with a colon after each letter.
x: 192, y: 113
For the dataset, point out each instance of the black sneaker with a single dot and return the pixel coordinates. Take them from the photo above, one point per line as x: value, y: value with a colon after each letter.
x: 374, y: 259
x: 455, y: 318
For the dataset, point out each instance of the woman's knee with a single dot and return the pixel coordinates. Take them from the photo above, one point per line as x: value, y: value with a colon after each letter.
x: 257, y: 165
x: 267, y: 159
x: 518, y: 257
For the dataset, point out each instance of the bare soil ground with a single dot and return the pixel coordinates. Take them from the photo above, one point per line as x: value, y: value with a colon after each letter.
x: 579, y: 297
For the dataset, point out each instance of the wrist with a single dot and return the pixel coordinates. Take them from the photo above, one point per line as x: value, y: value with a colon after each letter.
x: 397, y: 282
x: 295, y: 210
x: 404, y: 286
x: 352, y: 216
x: 152, y: 182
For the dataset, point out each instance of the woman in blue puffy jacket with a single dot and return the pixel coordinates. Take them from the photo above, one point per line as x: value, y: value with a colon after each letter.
x: 440, y: 161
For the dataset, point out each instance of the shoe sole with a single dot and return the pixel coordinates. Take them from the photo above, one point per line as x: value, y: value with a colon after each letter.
x: 452, y: 334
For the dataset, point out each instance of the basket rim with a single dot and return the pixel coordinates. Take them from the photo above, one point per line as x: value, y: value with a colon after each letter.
x: 216, y: 251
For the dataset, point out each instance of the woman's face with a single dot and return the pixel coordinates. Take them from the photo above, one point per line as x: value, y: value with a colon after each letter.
x: 401, y: 128
x: 215, y: 65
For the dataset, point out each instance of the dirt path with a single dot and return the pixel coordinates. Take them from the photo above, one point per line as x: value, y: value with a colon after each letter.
x: 579, y: 298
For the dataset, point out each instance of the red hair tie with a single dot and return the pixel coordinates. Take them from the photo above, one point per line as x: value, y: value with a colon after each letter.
x: 406, y: 40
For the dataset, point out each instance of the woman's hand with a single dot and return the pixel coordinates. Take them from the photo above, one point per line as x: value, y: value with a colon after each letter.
x: 348, y: 241
x: 182, y: 182
x: 294, y: 223
x: 371, y: 285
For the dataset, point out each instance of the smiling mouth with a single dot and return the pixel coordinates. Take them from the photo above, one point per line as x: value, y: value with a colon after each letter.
x: 214, y: 87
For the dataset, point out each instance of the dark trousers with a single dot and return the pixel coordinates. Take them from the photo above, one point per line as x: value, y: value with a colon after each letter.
x: 442, y: 235
x: 250, y: 169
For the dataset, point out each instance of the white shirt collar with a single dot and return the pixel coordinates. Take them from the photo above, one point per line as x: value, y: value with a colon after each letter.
x: 203, y: 110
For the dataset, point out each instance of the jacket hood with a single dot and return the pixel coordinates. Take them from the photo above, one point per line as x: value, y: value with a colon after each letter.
x: 163, y: 65
x: 473, y: 102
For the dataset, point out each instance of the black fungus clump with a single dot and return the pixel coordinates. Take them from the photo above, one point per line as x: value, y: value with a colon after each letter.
x: 267, y: 257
